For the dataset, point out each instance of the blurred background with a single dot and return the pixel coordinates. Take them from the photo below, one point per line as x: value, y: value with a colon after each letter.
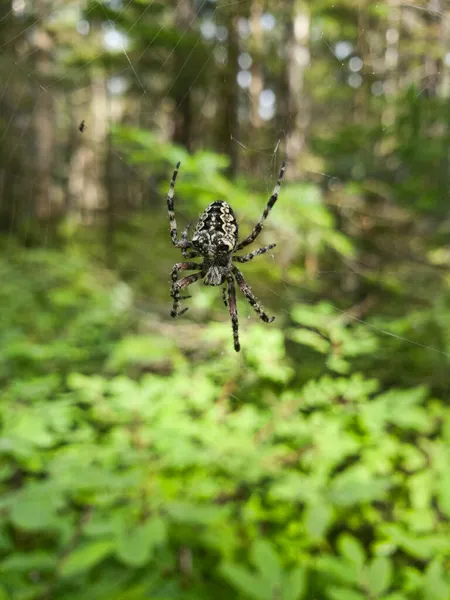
x: 141, y: 457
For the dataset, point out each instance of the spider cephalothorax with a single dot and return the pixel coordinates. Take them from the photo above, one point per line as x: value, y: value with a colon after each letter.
x: 215, y: 240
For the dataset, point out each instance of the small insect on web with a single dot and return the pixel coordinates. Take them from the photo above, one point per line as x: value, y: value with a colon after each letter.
x: 215, y: 240
x: 82, y: 126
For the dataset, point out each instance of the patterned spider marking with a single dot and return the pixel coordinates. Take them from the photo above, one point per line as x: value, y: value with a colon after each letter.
x: 217, y: 228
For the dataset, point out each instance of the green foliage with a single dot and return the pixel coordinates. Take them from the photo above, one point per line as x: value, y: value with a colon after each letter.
x: 269, y: 581
x: 129, y: 471
x: 142, y: 459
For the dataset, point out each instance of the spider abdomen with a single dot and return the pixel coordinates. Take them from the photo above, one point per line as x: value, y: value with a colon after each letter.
x: 216, y: 232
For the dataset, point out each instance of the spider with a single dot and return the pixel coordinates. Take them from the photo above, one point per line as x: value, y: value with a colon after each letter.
x: 215, y: 240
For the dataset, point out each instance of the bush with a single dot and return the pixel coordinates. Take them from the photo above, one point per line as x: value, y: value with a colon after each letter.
x: 129, y: 471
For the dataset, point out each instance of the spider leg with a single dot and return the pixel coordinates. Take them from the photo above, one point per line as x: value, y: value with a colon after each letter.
x: 259, y: 225
x: 247, y: 257
x: 184, y: 239
x: 245, y: 289
x: 183, y: 243
x: 232, y: 306
x: 175, y: 292
x: 177, y: 286
x: 193, y: 254
x: 184, y: 235
x: 224, y: 296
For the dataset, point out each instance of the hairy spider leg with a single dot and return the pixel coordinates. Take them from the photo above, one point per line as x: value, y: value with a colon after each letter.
x: 232, y: 307
x: 183, y: 243
x: 187, y: 254
x: 247, y: 257
x: 224, y: 296
x: 245, y: 289
x: 258, y: 227
x: 175, y: 293
x: 177, y: 286
x: 184, y: 237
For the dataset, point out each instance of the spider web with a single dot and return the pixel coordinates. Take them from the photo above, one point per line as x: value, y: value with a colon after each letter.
x: 269, y: 157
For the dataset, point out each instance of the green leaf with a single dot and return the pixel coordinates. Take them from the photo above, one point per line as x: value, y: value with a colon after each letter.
x: 317, y: 519
x: 338, y: 364
x: 266, y: 560
x: 318, y: 316
x: 444, y: 493
x: 423, y: 547
x: 136, y: 547
x: 379, y: 575
x: 33, y: 514
x: 295, y: 586
x: 351, y: 549
x: 4, y: 594
x: 190, y: 513
x: 246, y: 582
x: 21, y: 561
x: 85, y: 557
x: 311, y: 339
x: 338, y: 569
x: 339, y: 593
x: 435, y: 587
x: 142, y: 350
x: 357, y: 485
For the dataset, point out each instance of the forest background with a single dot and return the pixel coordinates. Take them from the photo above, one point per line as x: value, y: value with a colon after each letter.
x: 143, y: 458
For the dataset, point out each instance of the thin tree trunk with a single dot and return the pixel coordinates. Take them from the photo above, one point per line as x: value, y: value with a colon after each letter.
x: 391, y: 62
x: 443, y: 90
x: 86, y: 178
x: 298, y: 102
x: 71, y: 144
x: 182, y: 133
x: 256, y: 45
x: 231, y: 92
x: 110, y: 223
x: 256, y: 85
x: 43, y: 128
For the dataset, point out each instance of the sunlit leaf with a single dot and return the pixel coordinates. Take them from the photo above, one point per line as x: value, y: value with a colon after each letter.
x: 85, y: 557
x: 251, y: 585
x: 379, y: 575
x: 295, y: 584
x: 266, y: 560
x: 352, y: 550
x: 136, y: 547
x: 317, y: 519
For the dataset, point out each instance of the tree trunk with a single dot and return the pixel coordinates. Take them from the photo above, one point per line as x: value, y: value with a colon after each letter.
x: 86, y: 175
x: 391, y: 62
x: 231, y: 122
x: 256, y: 45
x: 298, y: 102
x: 43, y: 129
x: 182, y: 133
